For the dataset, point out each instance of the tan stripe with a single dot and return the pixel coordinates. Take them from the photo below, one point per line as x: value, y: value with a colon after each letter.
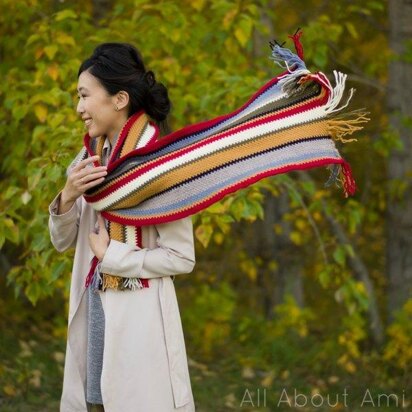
x: 135, y: 133
x: 99, y: 147
x: 116, y: 232
x: 218, y: 158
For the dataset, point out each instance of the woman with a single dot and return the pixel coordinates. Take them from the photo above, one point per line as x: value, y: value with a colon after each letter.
x: 125, y: 348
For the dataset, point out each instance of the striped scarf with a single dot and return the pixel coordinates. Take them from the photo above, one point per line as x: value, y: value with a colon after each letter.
x: 289, y: 124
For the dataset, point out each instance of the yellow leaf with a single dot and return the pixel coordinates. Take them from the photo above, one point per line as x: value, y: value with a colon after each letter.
x: 333, y: 379
x: 9, y: 390
x: 217, y: 208
x: 248, y: 373
x: 350, y: 367
x: 301, y: 224
x: 218, y: 238
x: 40, y: 111
x: 203, y: 234
x: 241, y: 36
x: 51, y: 51
x: 63, y: 38
x: 53, y: 71
x: 25, y: 197
x: 296, y: 238
x: 197, y: 4
x: 65, y: 14
x: 35, y: 379
x: 285, y: 374
x: 243, y: 30
x: 267, y: 381
x: 229, y: 17
x: 58, y: 357
x: 38, y: 53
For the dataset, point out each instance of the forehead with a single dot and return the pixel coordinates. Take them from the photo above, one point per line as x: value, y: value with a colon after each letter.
x: 87, y: 81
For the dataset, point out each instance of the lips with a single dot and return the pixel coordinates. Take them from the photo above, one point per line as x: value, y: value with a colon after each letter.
x: 88, y: 121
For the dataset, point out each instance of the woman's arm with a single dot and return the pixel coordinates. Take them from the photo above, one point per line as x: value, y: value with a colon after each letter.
x: 174, y: 254
x: 63, y: 227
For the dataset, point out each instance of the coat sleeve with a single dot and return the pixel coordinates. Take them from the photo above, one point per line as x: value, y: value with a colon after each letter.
x: 63, y: 228
x: 174, y: 254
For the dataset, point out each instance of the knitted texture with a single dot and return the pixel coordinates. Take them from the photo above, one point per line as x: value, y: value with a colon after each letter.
x: 288, y: 124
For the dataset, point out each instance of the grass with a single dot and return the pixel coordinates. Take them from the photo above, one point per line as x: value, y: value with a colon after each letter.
x: 32, y: 359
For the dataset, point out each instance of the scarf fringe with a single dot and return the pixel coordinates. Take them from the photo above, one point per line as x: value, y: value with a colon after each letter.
x: 298, y: 45
x: 97, y: 281
x: 121, y: 283
x: 341, y: 176
x: 111, y: 282
x: 343, y: 126
x: 132, y: 283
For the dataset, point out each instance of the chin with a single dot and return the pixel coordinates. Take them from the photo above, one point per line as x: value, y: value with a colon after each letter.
x: 93, y: 134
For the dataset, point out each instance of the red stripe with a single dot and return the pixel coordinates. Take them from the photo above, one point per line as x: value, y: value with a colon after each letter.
x: 139, y: 237
x: 219, y: 195
x: 86, y: 140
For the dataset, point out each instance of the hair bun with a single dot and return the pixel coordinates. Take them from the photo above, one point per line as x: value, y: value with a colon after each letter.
x: 150, y: 78
x: 156, y: 103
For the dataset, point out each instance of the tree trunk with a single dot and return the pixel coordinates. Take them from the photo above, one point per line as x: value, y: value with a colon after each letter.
x: 279, y: 272
x: 399, y: 208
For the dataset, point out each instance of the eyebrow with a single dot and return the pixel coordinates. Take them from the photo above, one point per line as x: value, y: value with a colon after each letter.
x: 81, y: 88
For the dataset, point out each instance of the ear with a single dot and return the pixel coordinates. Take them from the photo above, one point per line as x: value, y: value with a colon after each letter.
x: 121, y: 99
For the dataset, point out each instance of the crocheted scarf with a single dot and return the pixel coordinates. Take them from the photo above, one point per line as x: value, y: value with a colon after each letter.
x: 288, y: 124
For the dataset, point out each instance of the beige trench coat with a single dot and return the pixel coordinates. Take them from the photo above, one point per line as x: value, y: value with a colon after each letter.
x: 144, y: 363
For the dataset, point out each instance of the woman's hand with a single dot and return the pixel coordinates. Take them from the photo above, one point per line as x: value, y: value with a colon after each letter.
x: 99, y: 239
x: 81, y: 178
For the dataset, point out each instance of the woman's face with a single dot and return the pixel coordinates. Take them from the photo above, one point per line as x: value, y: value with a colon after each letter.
x: 97, y: 108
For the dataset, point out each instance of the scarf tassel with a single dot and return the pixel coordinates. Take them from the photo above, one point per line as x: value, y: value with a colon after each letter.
x: 102, y: 281
x: 348, y: 182
x: 298, y: 45
x: 111, y: 282
x: 343, y: 126
x: 90, y: 275
x: 121, y: 283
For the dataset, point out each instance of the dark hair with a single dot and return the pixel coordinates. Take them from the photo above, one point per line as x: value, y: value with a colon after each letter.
x: 119, y: 66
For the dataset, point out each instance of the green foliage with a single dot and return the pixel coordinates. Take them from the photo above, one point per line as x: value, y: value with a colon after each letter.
x: 212, y: 308
x: 398, y: 350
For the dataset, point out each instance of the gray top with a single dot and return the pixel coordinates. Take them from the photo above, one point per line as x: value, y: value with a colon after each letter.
x: 95, y: 330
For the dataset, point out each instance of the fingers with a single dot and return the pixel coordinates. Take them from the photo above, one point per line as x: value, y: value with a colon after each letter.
x: 86, y: 162
x: 84, y: 176
x: 100, y: 221
x: 93, y: 183
x: 88, y: 176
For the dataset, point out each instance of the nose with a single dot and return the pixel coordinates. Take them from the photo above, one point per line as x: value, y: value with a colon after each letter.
x: 80, y: 107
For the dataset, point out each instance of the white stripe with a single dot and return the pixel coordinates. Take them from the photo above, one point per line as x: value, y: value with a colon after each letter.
x: 235, y: 139
x: 147, y: 135
x: 131, y: 235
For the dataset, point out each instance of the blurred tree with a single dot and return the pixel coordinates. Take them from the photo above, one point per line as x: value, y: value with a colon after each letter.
x: 399, y: 216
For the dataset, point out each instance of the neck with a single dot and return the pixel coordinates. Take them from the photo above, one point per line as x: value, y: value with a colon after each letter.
x: 115, y: 131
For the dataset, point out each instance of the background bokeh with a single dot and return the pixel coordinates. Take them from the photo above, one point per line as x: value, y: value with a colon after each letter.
x: 295, y: 287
